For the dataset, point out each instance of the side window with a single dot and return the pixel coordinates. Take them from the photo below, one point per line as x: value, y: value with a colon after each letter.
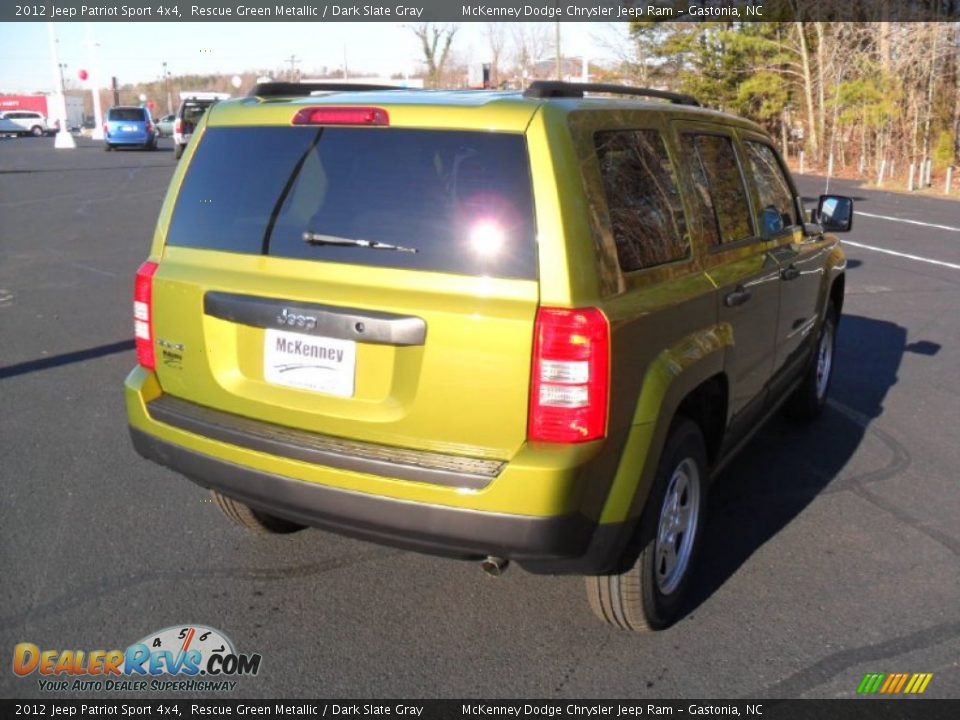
x: 643, y: 199
x: 777, y: 210
x: 720, y: 193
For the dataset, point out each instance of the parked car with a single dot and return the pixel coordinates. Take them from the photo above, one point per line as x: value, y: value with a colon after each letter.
x: 129, y: 126
x: 192, y: 108
x: 8, y: 128
x: 496, y: 326
x: 24, y: 122
x: 165, y: 125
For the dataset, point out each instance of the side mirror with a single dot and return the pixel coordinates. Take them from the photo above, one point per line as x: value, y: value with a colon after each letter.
x: 835, y: 213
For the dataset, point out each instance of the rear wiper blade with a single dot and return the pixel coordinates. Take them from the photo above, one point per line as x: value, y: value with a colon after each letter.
x: 319, y: 239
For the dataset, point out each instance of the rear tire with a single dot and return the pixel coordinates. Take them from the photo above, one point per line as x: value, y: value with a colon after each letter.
x: 650, y: 593
x: 807, y: 401
x: 254, y: 520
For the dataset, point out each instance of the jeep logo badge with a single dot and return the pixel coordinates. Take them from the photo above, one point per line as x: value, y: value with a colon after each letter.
x: 295, y: 319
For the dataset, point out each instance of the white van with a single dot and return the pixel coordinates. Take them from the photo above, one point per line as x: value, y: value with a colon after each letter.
x: 192, y: 107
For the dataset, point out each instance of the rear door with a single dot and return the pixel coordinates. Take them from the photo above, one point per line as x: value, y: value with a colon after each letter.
x: 738, y: 262
x: 377, y: 284
x: 127, y: 123
x: 191, y: 113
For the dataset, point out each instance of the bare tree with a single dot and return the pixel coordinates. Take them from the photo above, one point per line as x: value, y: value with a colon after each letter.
x: 531, y: 43
x: 435, y: 41
x: 808, y: 87
x: 497, y: 38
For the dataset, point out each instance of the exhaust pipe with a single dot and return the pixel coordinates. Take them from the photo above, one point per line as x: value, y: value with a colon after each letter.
x: 494, y: 566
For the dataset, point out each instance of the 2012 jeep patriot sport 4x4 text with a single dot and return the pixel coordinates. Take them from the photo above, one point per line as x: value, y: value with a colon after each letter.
x: 493, y: 325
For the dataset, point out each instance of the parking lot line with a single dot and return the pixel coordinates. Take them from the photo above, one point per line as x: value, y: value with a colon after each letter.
x: 953, y: 266
x: 905, y: 220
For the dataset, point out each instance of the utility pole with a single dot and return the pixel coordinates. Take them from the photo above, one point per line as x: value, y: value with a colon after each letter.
x: 559, y: 56
x: 294, y: 61
x: 94, y: 84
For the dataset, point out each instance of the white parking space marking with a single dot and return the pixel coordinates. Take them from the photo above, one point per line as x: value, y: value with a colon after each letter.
x: 953, y: 266
x: 905, y: 220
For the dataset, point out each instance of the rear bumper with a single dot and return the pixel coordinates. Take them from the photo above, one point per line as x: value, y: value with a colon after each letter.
x: 130, y: 139
x: 426, y: 528
x: 533, y: 510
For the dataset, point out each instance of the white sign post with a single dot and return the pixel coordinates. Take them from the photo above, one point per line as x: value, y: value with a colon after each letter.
x: 63, y: 140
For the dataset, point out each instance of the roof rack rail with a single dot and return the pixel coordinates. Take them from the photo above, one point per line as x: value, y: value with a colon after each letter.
x: 295, y: 89
x: 557, y: 89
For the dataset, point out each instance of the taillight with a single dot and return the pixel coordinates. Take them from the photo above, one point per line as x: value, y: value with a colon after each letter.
x: 178, y: 125
x: 143, y: 315
x: 149, y: 127
x: 570, y: 383
x: 342, y: 116
x: 106, y: 129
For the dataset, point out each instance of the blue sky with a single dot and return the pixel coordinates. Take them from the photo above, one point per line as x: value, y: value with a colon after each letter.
x: 135, y: 51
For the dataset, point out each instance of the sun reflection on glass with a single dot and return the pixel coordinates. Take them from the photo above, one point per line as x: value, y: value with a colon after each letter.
x: 487, y: 238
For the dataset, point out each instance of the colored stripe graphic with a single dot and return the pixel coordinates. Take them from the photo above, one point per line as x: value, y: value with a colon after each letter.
x: 870, y: 683
x: 919, y: 683
x: 891, y: 683
x: 894, y: 683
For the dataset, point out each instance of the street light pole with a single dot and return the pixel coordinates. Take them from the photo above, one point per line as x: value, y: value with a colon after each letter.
x: 166, y: 83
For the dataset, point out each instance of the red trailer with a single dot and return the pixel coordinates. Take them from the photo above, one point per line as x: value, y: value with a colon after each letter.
x: 37, y: 103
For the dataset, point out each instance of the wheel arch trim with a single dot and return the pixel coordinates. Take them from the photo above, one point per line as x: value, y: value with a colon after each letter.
x: 670, y: 378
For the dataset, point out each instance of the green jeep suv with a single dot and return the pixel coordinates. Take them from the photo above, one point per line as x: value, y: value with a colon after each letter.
x: 525, y: 326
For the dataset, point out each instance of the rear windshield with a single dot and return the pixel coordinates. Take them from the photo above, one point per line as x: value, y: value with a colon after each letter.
x: 447, y: 201
x: 126, y: 114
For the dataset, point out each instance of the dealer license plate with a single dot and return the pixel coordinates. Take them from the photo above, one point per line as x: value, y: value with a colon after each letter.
x: 310, y: 362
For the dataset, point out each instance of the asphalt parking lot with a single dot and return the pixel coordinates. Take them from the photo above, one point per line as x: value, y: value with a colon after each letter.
x: 831, y: 552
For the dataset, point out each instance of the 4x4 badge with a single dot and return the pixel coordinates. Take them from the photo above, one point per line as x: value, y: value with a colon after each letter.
x: 294, y: 319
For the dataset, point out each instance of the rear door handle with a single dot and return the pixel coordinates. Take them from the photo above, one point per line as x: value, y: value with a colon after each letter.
x: 738, y: 297
x: 790, y: 273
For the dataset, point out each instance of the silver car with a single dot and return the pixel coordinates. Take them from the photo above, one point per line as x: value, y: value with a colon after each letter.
x: 23, y: 122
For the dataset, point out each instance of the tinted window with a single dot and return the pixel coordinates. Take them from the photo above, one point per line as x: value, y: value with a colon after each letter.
x: 776, y: 211
x: 646, y: 214
x: 462, y: 200
x: 128, y: 114
x: 720, y: 193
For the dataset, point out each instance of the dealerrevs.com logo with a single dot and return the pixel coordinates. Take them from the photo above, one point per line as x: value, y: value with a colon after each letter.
x: 199, y: 658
